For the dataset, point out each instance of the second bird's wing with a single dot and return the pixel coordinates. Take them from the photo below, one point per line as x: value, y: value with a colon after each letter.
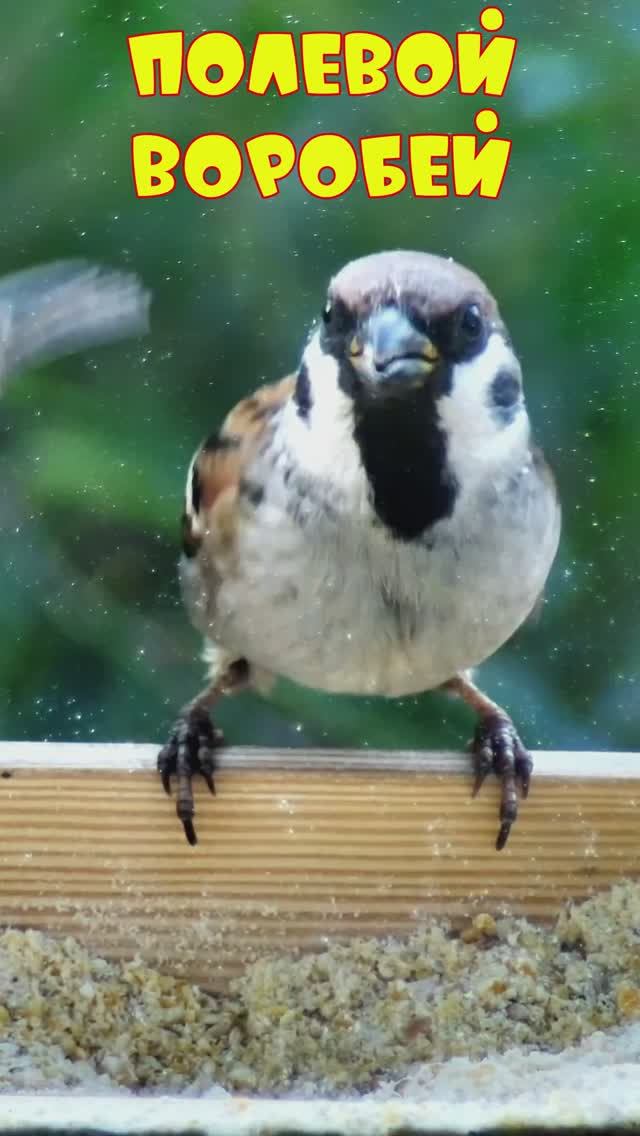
x: 66, y: 306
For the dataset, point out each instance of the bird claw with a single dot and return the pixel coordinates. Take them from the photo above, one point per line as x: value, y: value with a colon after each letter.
x: 497, y: 748
x: 190, y: 750
x: 483, y: 763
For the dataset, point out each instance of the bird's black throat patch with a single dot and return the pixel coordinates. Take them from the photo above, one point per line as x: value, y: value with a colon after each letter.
x: 404, y: 453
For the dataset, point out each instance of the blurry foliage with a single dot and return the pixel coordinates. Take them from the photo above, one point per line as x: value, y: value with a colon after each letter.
x: 93, y: 451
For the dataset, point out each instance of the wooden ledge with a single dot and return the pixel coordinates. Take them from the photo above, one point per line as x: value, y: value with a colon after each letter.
x: 298, y: 848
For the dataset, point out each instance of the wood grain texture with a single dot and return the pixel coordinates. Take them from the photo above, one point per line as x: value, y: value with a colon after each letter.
x: 295, y: 850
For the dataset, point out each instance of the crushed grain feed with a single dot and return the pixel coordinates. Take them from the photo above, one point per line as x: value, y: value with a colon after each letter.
x: 354, y: 1018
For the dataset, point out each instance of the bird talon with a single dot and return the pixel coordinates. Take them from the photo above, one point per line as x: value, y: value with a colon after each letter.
x: 190, y: 750
x: 189, y: 831
x: 498, y: 749
x: 483, y: 762
x: 503, y: 835
x: 480, y: 778
x: 207, y: 774
x: 523, y: 770
x: 164, y: 764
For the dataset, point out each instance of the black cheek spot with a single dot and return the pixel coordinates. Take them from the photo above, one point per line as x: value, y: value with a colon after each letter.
x: 252, y: 491
x: 302, y: 393
x: 504, y: 396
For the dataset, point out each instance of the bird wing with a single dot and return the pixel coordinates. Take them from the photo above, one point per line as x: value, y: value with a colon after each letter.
x: 546, y: 474
x: 217, y: 476
x: 66, y: 306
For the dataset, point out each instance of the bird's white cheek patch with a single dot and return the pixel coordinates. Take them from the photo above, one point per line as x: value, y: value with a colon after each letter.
x: 323, y: 442
x: 475, y: 431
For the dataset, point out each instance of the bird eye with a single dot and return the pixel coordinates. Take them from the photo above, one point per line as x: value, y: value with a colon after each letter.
x: 327, y: 312
x: 471, y: 323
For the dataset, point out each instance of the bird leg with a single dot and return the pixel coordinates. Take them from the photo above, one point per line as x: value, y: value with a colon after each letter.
x: 496, y: 748
x: 193, y: 741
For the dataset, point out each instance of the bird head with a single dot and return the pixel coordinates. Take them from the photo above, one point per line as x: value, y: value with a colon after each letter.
x: 410, y: 371
x: 395, y: 323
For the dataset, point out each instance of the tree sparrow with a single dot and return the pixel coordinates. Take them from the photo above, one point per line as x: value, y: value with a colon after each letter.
x: 378, y: 522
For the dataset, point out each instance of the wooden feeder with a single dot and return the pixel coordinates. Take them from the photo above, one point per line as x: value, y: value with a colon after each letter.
x: 298, y: 848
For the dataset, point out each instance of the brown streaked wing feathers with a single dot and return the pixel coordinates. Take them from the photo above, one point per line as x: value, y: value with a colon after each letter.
x: 546, y: 473
x: 224, y: 457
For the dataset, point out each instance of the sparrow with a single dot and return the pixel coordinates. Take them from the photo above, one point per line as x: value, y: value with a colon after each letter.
x: 66, y: 306
x: 379, y: 522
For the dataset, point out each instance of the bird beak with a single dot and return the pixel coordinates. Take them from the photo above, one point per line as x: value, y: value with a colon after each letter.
x: 390, y: 348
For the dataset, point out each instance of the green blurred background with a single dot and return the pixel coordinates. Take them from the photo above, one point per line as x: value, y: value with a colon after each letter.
x: 93, y: 451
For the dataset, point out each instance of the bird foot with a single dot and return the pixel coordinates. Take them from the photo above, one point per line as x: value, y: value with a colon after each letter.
x: 497, y: 749
x: 190, y: 750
